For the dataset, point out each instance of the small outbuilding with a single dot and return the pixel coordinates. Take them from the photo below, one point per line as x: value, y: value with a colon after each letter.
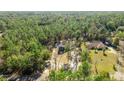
x: 61, y: 48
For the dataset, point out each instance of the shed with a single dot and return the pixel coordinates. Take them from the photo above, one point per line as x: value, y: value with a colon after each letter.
x: 61, y: 48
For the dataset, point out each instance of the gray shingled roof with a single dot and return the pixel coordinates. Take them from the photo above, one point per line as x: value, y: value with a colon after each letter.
x: 95, y: 44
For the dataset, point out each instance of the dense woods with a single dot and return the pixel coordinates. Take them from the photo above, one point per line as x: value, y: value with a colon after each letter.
x: 27, y: 39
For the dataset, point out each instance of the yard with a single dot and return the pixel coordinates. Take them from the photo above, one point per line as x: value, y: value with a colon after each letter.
x: 101, y: 62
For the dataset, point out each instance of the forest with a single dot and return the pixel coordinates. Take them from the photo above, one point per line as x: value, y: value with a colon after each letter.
x: 61, y: 46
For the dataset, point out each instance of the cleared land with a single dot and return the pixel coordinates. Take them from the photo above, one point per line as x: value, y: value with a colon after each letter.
x: 103, y: 63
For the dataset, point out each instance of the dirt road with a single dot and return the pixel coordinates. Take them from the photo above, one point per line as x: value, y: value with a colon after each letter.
x: 44, y: 76
x: 112, y: 50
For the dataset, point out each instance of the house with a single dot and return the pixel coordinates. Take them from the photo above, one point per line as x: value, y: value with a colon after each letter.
x: 95, y: 45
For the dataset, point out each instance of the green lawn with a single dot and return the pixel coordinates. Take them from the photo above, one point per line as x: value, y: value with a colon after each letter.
x: 103, y: 63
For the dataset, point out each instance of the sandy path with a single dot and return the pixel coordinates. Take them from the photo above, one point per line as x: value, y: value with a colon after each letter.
x: 44, y: 76
x: 119, y: 76
x: 112, y: 50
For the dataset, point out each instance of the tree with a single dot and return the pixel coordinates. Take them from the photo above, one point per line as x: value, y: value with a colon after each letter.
x: 84, y: 54
x: 120, y: 35
x: 2, y: 26
x: 61, y: 75
x: 85, y: 69
x: 111, y: 26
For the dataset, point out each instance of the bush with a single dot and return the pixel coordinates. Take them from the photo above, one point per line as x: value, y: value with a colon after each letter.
x: 102, y: 76
x: 2, y: 78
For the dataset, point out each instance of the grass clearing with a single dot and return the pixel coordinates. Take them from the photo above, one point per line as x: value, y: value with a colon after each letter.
x: 103, y: 63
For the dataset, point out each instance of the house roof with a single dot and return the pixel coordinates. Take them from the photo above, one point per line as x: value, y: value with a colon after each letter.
x: 60, y: 45
x: 95, y: 44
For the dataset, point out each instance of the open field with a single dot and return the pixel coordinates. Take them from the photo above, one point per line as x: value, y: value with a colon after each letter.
x: 103, y: 63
